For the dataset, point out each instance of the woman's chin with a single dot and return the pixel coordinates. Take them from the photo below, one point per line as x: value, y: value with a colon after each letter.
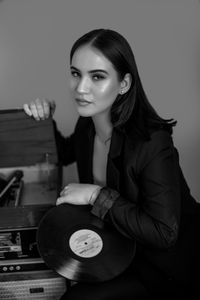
x: 84, y: 112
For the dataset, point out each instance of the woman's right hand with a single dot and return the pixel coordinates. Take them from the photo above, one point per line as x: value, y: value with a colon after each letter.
x: 40, y: 109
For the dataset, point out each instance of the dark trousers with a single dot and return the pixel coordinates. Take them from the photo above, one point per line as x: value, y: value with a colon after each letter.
x: 134, y: 284
x: 122, y: 287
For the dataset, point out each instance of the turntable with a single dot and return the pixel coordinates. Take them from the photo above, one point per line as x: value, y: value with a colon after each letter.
x: 30, y: 179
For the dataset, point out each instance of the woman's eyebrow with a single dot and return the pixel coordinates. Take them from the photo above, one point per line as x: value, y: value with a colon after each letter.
x: 91, y: 71
x: 98, y: 71
x: 71, y: 67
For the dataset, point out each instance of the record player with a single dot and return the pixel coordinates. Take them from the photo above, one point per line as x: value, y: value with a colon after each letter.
x: 30, y: 180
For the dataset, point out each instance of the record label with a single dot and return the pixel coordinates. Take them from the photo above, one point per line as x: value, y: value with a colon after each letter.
x: 85, y: 243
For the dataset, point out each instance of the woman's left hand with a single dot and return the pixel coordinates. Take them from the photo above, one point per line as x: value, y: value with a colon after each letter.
x: 79, y: 194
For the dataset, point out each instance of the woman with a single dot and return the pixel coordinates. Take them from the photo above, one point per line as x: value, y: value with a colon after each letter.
x: 129, y: 172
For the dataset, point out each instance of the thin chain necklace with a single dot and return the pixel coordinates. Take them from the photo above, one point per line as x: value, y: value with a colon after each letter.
x: 106, y: 142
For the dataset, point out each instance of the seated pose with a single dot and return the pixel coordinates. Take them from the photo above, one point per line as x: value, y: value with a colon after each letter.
x: 129, y: 173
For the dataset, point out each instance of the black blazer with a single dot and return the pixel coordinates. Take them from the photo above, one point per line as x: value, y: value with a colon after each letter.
x: 148, y: 199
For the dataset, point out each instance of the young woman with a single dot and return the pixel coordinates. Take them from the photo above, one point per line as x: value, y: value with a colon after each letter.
x: 129, y: 172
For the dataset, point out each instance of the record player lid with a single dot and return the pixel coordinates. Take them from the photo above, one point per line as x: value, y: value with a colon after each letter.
x: 24, y: 141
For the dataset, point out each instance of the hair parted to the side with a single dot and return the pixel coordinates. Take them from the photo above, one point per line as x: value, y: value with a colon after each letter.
x: 132, y: 107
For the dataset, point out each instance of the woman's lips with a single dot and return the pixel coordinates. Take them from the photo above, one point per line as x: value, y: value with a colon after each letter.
x: 82, y: 102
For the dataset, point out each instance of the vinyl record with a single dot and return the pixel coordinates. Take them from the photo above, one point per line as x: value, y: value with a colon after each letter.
x: 81, y: 247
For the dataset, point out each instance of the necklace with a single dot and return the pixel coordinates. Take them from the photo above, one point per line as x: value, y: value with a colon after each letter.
x: 105, y: 142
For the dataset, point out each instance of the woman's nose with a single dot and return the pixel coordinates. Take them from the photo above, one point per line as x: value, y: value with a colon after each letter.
x: 83, y: 85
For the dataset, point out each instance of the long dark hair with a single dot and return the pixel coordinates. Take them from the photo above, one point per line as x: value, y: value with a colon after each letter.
x: 132, y: 107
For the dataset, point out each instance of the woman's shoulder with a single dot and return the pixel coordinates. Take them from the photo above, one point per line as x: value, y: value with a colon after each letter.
x: 160, y: 137
x: 152, y: 137
x: 157, y: 141
x: 146, y: 149
x: 159, y: 145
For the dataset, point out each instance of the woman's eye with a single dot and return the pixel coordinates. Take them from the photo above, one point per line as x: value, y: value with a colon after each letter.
x: 75, y: 74
x: 98, y: 77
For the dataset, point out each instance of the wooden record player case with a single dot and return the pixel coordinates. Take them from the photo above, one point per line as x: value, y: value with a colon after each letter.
x: 29, y: 147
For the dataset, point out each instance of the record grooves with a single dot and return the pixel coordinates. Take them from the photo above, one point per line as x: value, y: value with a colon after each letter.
x: 81, y: 247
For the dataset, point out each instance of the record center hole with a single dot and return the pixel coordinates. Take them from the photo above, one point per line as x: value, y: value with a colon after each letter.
x: 86, y: 243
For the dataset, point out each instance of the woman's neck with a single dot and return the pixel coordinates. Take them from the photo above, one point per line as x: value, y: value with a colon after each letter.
x: 103, y: 127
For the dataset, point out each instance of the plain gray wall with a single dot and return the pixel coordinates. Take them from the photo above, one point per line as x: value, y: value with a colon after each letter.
x: 36, y: 37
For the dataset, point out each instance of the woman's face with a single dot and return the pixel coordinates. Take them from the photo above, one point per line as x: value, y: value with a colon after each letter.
x: 94, y: 82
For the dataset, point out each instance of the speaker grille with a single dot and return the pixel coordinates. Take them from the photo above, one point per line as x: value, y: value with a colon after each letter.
x: 37, y: 289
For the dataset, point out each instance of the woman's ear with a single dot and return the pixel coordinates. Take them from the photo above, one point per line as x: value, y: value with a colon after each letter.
x: 125, y: 84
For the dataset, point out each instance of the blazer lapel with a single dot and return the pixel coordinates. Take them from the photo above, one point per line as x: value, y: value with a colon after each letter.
x: 85, y: 145
x: 114, y: 160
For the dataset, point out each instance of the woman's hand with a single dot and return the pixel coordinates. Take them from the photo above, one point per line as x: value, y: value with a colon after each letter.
x: 79, y: 194
x: 40, y: 109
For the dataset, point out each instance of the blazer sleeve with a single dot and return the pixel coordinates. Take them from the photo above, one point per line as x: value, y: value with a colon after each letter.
x: 152, y: 219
